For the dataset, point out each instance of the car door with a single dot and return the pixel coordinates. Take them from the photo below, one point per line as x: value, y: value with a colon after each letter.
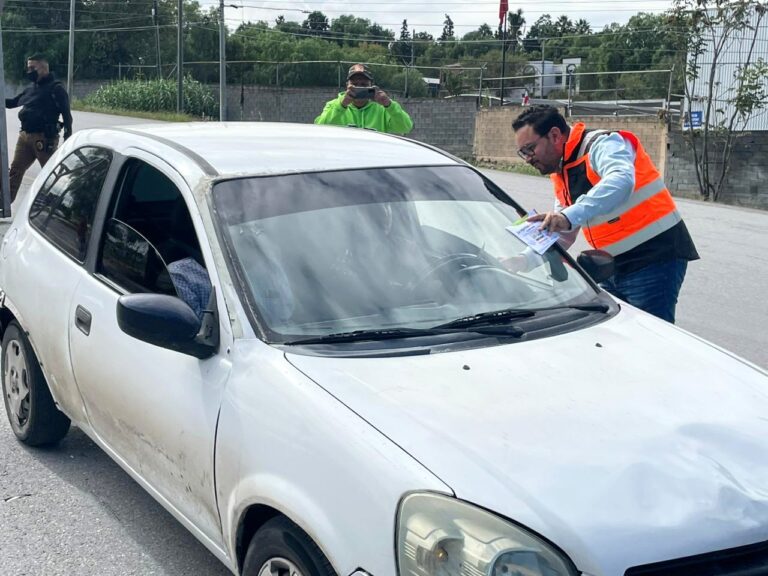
x: 48, y: 262
x: 156, y: 410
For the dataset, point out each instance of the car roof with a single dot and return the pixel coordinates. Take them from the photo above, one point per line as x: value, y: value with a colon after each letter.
x: 237, y: 148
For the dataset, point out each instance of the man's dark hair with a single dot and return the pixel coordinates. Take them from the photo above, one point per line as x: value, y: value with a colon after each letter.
x: 543, y: 118
x: 37, y: 57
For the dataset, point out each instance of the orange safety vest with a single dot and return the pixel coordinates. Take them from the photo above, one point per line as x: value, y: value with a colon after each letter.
x: 649, y: 211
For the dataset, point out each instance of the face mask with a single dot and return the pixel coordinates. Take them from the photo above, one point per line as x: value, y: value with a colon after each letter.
x: 31, y: 75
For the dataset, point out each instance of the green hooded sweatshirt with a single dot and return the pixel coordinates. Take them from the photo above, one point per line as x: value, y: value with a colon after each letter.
x: 392, y: 119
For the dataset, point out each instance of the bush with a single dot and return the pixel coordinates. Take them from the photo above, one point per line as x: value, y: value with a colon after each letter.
x: 155, y: 96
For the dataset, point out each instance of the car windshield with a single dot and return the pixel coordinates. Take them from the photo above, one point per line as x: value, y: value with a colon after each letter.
x: 326, y: 253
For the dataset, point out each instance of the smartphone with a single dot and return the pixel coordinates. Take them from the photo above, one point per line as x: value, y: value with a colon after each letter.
x: 363, y: 92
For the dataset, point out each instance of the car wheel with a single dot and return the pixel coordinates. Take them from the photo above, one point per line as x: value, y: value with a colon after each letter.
x: 281, y: 548
x: 30, y: 407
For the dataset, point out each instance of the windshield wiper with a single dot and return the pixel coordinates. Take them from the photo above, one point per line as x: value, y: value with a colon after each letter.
x: 494, y: 317
x: 588, y: 307
x: 362, y: 335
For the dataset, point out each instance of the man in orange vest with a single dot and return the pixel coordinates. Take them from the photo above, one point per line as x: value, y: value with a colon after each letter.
x: 607, y: 185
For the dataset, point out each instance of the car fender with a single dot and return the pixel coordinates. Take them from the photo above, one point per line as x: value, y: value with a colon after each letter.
x: 286, y: 443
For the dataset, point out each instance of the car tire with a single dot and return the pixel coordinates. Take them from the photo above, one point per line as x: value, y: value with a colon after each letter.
x: 31, y: 411
x: 281, y: 547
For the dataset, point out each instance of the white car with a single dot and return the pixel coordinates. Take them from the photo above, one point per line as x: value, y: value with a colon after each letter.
x: 313, y: 346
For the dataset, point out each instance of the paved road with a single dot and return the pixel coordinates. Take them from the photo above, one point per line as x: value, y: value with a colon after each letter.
x: 70, y: 511
x: 81, y: 120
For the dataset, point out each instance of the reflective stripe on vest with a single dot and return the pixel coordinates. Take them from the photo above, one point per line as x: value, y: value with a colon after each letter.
x: 635, y: 199
x: 649, y: 210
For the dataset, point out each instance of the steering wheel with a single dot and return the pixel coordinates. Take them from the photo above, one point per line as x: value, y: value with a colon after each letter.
x: 449, y: 264
x: 491, y: 282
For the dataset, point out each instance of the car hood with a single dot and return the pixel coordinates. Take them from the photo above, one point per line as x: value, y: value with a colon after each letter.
x: 626, y: 443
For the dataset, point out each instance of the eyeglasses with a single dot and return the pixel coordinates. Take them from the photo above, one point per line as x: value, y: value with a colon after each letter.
x: 529, y: 150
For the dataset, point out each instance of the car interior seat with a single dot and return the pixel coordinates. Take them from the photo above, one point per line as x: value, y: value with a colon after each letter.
x: 181, y: 241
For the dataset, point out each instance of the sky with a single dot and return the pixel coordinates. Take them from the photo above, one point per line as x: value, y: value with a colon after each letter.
x: 428, y: 15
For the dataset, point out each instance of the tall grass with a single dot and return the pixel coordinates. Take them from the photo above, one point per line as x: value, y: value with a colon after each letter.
x: 154, y: 96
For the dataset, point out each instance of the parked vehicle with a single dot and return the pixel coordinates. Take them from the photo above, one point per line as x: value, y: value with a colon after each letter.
x: 309, y: 344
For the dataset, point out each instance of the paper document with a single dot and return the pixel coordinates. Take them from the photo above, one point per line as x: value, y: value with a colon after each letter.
x: 538, y: 240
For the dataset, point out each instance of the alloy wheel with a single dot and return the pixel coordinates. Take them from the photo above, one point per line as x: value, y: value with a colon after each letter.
x: 279, y: 567
x: 16, y: 379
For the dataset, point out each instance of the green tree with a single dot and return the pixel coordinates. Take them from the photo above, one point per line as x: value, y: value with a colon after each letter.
x: 404, y: 32
x: 727, y: 103
x: 316, y: 23
x: 472, y: 41
x: 447, y: 29
x: 515, y: 25
x: 348, y: 29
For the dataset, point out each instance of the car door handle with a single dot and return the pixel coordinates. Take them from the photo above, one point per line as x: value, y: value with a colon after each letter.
x: 83, y: 320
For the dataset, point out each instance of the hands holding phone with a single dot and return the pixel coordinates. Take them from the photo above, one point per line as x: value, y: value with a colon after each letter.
x: 362, y: 93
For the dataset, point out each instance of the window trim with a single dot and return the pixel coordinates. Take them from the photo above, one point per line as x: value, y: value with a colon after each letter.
x: 96, y: 210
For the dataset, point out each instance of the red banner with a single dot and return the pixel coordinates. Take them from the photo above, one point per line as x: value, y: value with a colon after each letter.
x: 503, y: 9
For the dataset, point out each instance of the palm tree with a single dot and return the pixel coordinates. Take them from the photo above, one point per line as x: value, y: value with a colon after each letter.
x: 515, y: 24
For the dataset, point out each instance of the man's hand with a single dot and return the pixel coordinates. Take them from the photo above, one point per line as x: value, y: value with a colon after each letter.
x: 347, y: 100
x: 67, y: 133
x: 551, y: 221
x: 382, y: 98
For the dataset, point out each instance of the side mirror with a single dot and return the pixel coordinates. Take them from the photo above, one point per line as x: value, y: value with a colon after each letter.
x: 597, y: 263
x: 168, y: 322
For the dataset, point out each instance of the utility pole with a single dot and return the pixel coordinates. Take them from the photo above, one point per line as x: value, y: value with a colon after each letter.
x: 5, y: 186
x: 222, y: 64
x: 180, y: 61
x: 503, y: 59
x: 71, y: 55
x: 407, y: 68
x: 542, y: 68
x: 156, y: 22
x: 570, y: 69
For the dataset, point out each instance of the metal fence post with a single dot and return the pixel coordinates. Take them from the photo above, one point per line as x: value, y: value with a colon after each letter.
x: 480, y: 89
x: 5, y: 186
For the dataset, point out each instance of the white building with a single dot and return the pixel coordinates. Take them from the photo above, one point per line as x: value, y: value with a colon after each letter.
x: 552, y: 76
x: 730, y: 61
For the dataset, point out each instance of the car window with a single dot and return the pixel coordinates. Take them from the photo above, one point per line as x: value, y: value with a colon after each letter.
x: 63, y: 209
x: 355, y: 250
x: 149, y: 243
x: 130, y: 261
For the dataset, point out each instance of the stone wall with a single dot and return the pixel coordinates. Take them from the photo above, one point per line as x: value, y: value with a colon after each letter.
x: 495, y: 140
x: 745, y: 184
x: 447, y: 124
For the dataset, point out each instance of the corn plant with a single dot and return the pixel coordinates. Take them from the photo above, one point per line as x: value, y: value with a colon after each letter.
x: 158, y: 95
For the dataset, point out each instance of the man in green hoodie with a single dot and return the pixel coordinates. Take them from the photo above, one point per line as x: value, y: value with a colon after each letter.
x: 365, y: 106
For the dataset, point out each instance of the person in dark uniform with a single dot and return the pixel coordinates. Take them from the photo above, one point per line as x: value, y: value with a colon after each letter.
x: 42, y: 103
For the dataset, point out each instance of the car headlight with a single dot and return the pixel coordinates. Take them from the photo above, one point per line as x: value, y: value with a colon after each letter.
x: 442, y: 536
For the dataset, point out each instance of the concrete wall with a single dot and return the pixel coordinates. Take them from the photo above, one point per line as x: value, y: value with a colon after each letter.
x: 81, y: 90
x: 448, y: 124
x: 495, y: 140
x: 745, y: 184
